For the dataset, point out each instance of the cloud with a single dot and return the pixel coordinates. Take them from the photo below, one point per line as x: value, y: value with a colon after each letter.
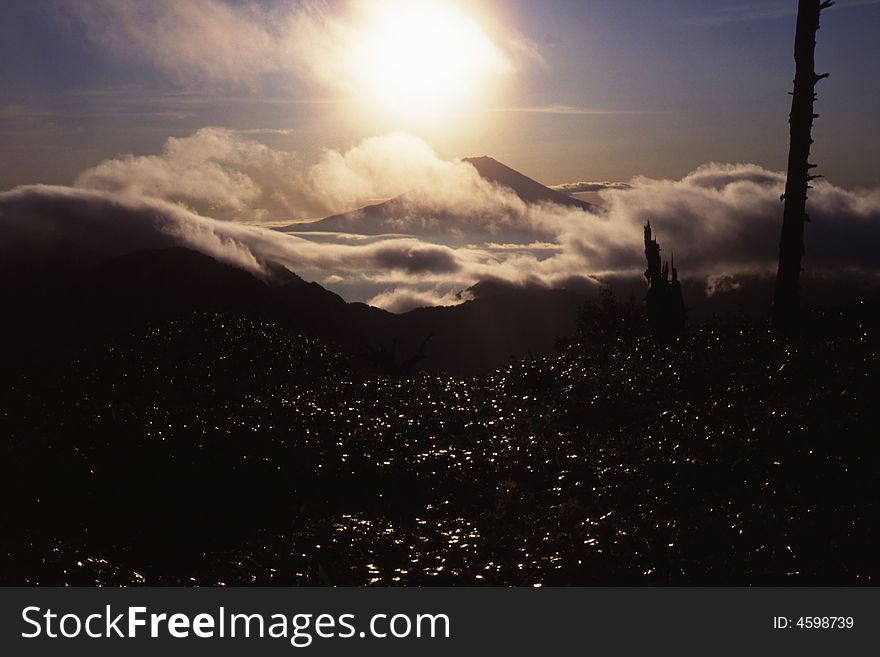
x: 563, y: 110
x: 384, y: 167
x: 404, y: 299
x: 227, y: 174
x: 107, y: 224
x: 721, y: 221
x: 725, y: 217
x: 417, y: 259
x: 206, y: 40
x: 583, y: 187
x: 215, y: 171
x: 721, y: 283
x: 220, y: 44
x: 721, y: 176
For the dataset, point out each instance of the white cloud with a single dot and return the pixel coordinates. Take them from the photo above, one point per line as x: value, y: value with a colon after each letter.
x: 404, y: 299
x: 214, y: 171
x: 229, y: 175
x: 205, y: 40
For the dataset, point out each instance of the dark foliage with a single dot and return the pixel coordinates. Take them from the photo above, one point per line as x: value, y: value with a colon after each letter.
x: 664, y: 302
x: 217, y: 449
x: 70, y: 302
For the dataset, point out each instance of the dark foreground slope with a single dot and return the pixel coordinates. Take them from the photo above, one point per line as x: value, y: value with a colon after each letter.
x: 221, y: 450
x: 67, y: 304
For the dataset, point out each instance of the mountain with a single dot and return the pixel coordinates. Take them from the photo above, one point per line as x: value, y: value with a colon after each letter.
x: 59, y: 313
x: 400, y: 215
x: 527, y: 189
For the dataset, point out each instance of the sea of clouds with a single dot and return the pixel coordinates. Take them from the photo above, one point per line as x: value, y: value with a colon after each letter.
x: 223, y: 193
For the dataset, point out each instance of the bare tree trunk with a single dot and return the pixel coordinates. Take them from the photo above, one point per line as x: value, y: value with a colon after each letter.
x: 787, y: 299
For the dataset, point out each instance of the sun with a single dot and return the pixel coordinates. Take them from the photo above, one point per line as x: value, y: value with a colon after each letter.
x: 414, y: 60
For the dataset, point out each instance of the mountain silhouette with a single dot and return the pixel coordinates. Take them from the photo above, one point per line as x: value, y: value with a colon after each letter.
x: 65, y: 309
x: 404, y: 215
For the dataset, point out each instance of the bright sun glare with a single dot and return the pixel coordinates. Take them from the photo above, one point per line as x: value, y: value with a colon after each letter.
x: 422, y: 60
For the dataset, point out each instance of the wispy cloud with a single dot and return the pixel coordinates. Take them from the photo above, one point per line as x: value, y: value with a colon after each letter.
x: 249, y: 46
x: 564, y: 110
x: 582, y: 187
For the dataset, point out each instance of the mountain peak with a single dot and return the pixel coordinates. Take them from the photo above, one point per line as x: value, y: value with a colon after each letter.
x: 529, y: 190
x: 478, y: 159
x: 392, y: 216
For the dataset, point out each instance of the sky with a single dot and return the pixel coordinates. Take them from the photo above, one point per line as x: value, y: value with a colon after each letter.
x: 597, y: 90
x: 221, y: 125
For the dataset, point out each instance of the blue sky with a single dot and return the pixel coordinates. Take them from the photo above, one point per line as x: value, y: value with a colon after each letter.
x: 613, y: 89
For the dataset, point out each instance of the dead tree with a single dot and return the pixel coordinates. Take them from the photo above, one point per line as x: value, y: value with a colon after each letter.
x: 787, y: 297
